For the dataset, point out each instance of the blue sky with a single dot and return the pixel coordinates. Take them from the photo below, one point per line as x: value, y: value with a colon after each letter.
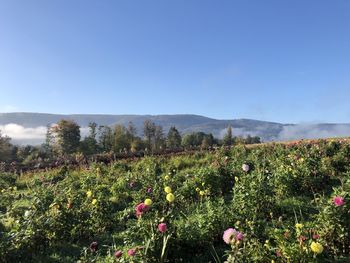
x: 286, y: 61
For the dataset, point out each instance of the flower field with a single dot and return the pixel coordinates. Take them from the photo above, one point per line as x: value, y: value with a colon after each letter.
x: 267, y: 203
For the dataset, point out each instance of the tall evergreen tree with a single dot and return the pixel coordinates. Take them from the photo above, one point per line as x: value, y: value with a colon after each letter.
x: 227, y: 140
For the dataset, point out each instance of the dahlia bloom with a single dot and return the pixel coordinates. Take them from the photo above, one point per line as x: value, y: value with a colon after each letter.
x: 162, y: 227
x: 148, y: 202
x: 170, y: 197
x: 140, y: 209
x: 131, y: 252
x: 245, y: 167
x: 338, y: 201
x: 118, y: 254
x: 231, y: 235
x: 167, y: 189
x: 316, y: 247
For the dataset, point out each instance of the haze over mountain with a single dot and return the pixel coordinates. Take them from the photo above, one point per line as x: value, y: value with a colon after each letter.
x: 30, y: 128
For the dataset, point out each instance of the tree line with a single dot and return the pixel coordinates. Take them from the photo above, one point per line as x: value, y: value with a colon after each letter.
x: 64, y: 138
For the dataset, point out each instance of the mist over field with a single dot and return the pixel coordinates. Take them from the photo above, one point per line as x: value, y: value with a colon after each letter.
x: 27, y: 135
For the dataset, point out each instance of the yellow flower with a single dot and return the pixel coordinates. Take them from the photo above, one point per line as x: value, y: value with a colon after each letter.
x: 148, y: 202
x: 89, y: 194
x: 94, y: 201
x: 170, y: 197
x: 236, y: 178
x: 272, y: 261
x: 203, y: 184
x: 197, y: 189
x: 167, y: 177
x: 316, y: 247
x: 167, y: 189
x: 201, y: 192
x: 299, y: 226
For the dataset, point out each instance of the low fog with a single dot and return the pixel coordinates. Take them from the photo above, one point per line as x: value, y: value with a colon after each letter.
x: 35, y: 136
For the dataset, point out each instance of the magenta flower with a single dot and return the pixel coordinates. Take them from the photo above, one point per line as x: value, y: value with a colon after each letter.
x: 132, y: 252
x: 162, y: 227
x: 118, y: 254
x: 231, y: 235
x: 149, y: 190
x: 140, y: 209
x: 338, y: 201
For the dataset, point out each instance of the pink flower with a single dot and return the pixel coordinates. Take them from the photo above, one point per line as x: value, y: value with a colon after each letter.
x: 131, y: 252
x: 140, y: 209
x: 338, y: 201
x: 118, y: 254
x: 149, y: 190
x: 231, y: 235
x: 162, y: 227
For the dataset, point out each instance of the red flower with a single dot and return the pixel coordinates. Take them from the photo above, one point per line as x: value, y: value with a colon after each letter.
x: 118, y: 254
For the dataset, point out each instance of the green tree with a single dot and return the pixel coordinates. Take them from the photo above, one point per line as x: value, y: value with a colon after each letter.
x: 120, y: 139
x: 159, y: 139
x: 89, y: 145
x: 67, y: 134
x: 105, y: 139
x: 149, y: 131
x: 5, y: 148
x: 173, y: 138
x: 227, y: 140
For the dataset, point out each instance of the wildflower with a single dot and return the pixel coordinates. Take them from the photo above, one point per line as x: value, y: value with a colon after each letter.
x: 316, y: 247
x: 167, y: 177
x: 118, y: 254
x: 89, y: 194
x: 149, y: 190
x: 299, y: 226
x: 148, y: 202
x: 94, y: 201
x: 236, y: 179
x: 162, y: 227
x: 245, y: 167
x: 338, y: 201
x: 232, y: 235
x: 170, y: 197
x: 167, y: 189
x: 197, y: 189
x: 131, y: 252
x: 201, y: 193
x: 94, y: 246
x: 203, y: 184
x: 141, y: 209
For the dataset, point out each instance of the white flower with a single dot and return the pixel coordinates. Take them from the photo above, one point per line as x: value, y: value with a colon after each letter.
x: 245, y: 167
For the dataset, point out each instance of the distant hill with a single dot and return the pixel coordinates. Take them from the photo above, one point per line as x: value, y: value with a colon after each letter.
x: 27, y: 123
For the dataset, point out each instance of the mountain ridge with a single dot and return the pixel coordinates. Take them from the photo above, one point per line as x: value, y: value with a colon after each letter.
x: 185, y: 123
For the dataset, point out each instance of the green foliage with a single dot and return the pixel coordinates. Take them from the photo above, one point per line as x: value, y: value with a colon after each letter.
x: 283, y: 204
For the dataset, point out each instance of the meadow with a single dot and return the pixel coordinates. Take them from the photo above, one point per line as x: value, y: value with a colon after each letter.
x: 265, y: 203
